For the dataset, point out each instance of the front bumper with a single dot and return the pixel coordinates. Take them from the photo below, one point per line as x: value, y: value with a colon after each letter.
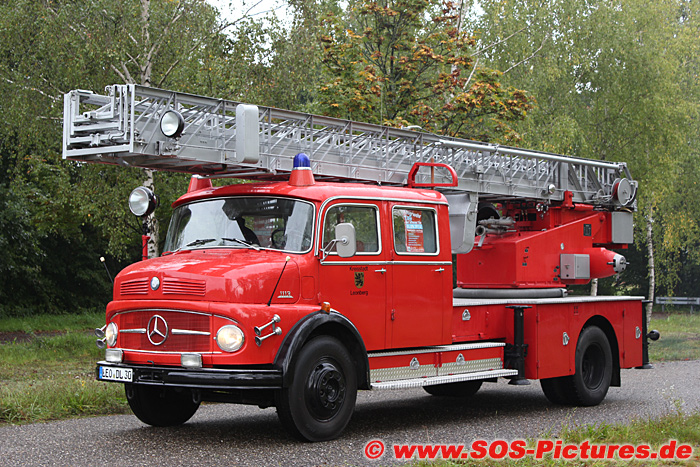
x: 255, y: 378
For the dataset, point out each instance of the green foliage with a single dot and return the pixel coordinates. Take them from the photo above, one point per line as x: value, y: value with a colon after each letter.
x: 628, y: 92
x: 407, y: 62
x: 615, y: 81
x: 58, y: 218
x: 263, y: 63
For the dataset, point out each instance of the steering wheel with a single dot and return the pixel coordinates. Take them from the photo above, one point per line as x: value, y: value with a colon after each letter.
x: 278, y: 238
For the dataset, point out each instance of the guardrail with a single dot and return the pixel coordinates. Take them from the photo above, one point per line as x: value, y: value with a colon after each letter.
x: 681, y: 301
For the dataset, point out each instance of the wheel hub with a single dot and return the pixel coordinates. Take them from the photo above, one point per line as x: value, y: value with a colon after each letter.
x: 325, y: 391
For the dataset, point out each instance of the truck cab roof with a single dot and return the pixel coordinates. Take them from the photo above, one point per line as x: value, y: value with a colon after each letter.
x: 319, y: 192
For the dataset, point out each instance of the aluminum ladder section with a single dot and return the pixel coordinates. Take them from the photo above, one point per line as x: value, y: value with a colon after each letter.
x: 222, y: 139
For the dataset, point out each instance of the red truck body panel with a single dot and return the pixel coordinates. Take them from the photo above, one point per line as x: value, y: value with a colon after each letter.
x: 395, y: 299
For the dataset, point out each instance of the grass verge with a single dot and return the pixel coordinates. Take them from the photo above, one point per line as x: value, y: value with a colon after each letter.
x: 83, y: 321
x: 52, y: 377
x: 680, y: 337
x: 685, y: 429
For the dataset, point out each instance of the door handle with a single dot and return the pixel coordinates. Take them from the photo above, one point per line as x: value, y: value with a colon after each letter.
x: 382, y: 270
x: 440, y: 270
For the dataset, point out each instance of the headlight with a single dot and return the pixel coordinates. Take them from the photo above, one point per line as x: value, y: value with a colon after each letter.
x: 172, y: 124
x: 111, y: 334
x: 142, y: 201
x: 230, y: 338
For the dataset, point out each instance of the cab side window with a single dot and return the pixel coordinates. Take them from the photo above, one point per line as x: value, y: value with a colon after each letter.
x: 414, y: 231
x: 362, y: 217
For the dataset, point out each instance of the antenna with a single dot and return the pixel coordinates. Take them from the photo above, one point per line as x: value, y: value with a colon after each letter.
x: 102, y: 260
x: 286, y: 260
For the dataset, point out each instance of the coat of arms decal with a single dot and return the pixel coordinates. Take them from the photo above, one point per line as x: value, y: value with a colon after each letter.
x: 359, y: 279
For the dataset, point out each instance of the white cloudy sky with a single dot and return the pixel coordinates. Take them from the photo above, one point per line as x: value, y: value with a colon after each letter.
x: 234, y: 9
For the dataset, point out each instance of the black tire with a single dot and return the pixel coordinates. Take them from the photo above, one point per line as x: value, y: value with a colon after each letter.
x: 159, y: 406
x: 460, y: 389
x: 557, y: 389
x: 594, y: 368
x: 319, y: 402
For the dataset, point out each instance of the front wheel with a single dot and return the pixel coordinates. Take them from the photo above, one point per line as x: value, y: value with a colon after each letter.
x: 318, y: 404
x: 159, y: 406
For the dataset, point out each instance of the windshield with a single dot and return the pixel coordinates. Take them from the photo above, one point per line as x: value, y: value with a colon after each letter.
x: 242, y: 222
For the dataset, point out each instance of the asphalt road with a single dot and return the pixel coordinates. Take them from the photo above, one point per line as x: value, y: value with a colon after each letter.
x: 230, y: 435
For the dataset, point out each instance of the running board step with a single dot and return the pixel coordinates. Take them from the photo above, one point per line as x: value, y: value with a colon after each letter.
x: 419, y: 382
x: 421, y: 366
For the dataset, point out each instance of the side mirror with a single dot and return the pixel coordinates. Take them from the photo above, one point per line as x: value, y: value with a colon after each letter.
x: 345, y: 241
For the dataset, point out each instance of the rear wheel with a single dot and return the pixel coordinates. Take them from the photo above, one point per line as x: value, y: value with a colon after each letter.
x: 589, y: 385
x: 318, y: 404
x: 159, y: 406
x: 460, y: 389
x: 594, y: 367
x: 557, y: 389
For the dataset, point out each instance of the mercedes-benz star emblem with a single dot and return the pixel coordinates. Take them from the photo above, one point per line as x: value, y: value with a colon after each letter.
x: 157, y: 330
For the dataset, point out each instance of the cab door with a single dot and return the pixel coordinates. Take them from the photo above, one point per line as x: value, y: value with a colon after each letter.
x: 356, y: 286
x: 421, y: 278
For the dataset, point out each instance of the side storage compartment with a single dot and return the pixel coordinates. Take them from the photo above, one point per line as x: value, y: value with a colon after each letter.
x: 553, y: 329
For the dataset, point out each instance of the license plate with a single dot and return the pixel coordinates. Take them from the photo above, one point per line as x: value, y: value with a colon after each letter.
x: 116, y: 374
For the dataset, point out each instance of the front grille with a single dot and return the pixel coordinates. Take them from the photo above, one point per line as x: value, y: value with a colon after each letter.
x: 134, y: 287
x: 186, y: 331
x: 184, y: 287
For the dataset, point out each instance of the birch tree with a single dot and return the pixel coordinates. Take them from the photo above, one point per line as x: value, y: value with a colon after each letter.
x: 613, y: 81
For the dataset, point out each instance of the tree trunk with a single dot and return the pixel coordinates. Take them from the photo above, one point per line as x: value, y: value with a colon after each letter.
x: 652, y: 271
x: 152, y: 221
x: 145, y: 71
x: 594, y: 287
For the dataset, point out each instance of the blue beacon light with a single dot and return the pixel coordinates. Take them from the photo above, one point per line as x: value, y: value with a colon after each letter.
x: 301, y: 172
x: 301, y: 160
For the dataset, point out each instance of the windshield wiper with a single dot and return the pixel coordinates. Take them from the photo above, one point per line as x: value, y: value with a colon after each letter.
x: 201, y: 241
x: 242, y: 242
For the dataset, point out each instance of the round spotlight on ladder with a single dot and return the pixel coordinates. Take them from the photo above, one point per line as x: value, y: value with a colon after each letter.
x: 142, y: 201
x: 172, y: 123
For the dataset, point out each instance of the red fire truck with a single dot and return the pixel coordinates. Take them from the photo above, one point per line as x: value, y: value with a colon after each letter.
x: 361, y: 257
